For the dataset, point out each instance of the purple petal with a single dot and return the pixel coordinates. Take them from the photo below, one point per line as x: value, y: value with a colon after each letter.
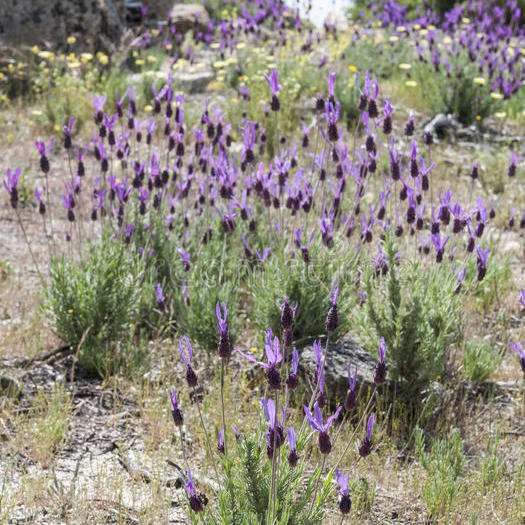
x: 370, y: 426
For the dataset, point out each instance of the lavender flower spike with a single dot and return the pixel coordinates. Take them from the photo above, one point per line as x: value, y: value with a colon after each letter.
x: 274, y: 357
x: 292, y: 456
x: 11, y: 185
x: 176, y: 413
x: 380, y: 373
x: 225, y: 349
x: 345, y: 503
x: 191, y: 376
x: 195, y: 500
x: 332, y: 318
x: 275, y: 87
x: 287, y: 318
x: 316, y: 422
x: 220, y: 446
x: 520, y: 351
x: 521, y: 298
x: 366, y: 444
x: 161, y: 300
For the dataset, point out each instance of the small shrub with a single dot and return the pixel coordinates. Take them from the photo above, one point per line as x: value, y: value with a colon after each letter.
x: 308, y: 285
x: 443, y: 464
x: 93, y: 302
x: 480, y: 360
x: 416, y: 310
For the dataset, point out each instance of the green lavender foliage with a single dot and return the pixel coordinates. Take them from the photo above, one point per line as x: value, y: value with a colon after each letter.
x: 416, y: 310
x: 443, y: 463
x: 480, y: 360
x: 243, y: 496
x: 308, y: 285
x: 215, y: 276
x: 92, y: 303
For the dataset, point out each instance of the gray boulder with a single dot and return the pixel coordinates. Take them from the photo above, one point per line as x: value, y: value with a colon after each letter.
x: 347, y: 350
x: 187, y: 17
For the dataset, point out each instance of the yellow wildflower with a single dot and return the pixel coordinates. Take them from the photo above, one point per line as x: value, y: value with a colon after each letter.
x: 500, y: 114
x: 411, y: 83
x: 480, y: 81
x: 405, y: 67
x: 496, y: 96
x: 353, y: 69
x: 71, y: 40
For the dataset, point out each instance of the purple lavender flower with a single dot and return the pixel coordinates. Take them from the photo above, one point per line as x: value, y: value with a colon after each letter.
x: 481, y: 262
x: 176, y: 413
x: 67, y: 133
x: 161, y: 300
x: 287, y: 314
x: 521, y: 298
x: 293, y: 458
x: 331, y: 86
x: 332, y: 116
x: 350, y: 399
x: 366, y: 445
x: 41, y: 205
x: 287, y: 318
x: 185, y: 256
x: 273, y: 357
x: 304, y: 247
x: 275, y: 434
x: 41, y: 148
x: 439, y: 244
x: 514, y: 159
x: 196, y: 503
x: 98, y: 104
x: 380, y: 373
x: 220, y: 445
x: 460, y: 277
x: 520, y: 352
x: 293, y: 379
x: 11, y: 185
x: 275, y: 87
x: 224, y: 347
x: 332, y: 318
x: 345, y: 503
x: 191, y: 376
x: 236, y: 432
x: 69, y: 202
x: 316, y: 422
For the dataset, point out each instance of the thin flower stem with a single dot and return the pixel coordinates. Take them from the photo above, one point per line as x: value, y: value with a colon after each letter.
x: 274, y: 457
x: 182, y: 447
x: 342, y: 519
x: 29, y: 246
x: 357, y: 427
x: 317, y: 484
x: 222, y: 408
